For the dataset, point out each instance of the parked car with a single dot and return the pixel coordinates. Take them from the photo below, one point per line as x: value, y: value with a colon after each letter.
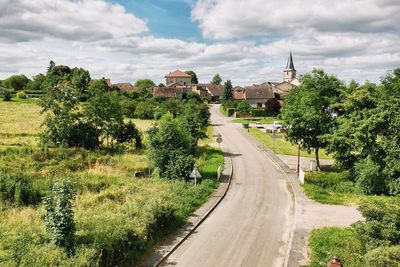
x: 259, y: 125
x: 277, y: 125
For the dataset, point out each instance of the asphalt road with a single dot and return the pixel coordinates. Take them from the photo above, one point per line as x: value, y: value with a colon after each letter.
x: 252, y: 225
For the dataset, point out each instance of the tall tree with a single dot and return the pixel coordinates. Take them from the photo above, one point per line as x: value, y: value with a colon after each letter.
x: 16, y: 82
x: 194, y: 76
x: 228, y: 91
x: 145, y: 84
x: 307, y: 111
x: 216, y: 79
x: 37, y: 83
x: 80, y: 81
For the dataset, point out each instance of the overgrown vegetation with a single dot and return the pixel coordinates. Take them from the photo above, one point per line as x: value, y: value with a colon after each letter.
x: 374, y: 242
x: 119, y: 206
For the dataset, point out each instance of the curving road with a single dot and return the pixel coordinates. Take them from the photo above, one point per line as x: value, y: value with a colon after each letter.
x: 252, y: 225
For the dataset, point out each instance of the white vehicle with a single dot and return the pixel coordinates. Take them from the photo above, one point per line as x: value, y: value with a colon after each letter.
x: 277, y: 125
x: 259, y: 125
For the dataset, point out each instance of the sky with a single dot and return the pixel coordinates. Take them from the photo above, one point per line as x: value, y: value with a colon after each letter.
x: 246, y: 41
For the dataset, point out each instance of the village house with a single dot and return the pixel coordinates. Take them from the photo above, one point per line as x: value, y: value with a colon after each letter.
x: 256, y: 95
x: 177, y: 83
x: 290, y: 81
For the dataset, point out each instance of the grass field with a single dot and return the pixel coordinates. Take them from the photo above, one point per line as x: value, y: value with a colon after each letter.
x: 334, y: 188
x: 263, y: 121
x: 120, y: 211
x: 280, y: 145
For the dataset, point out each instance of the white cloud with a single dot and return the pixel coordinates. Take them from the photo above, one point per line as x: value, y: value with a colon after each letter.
x: 224, y: 19
x: 81, y: 20
x: 110, y: 42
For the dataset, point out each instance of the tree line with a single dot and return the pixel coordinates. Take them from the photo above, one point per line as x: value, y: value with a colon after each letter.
x: 358, y: 124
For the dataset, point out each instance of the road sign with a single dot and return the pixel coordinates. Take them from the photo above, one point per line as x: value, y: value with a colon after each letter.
x: 219, y: 138
x: 195, y: 175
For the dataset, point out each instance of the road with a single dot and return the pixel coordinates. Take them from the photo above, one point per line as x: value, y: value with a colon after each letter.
x: 252, y: 225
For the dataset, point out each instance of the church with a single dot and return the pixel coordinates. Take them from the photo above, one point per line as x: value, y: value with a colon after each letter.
x: 290, y: 81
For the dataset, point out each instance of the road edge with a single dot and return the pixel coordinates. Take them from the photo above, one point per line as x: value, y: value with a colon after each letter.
x: 204, y: 217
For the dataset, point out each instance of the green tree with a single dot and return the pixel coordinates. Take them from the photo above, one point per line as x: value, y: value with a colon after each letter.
x: 80, y: 81
x: 168, y: 141
x: 307, y: 111
x: 244, y: 108
x: 216, y: 79
x: 57, y: 74
x: 194, y: 76
x: 145, y: 84
x: 59, y: 216
x: 16, y: 82
x: 97, y: 87
x: 228, y: 91
x: 37, y: 83
x: 7, y: 95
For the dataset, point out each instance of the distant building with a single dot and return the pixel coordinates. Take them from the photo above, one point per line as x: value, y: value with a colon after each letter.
x: 126, y: 87
x: 178, y: 77
x: 256, y: 95
x: 290, y: 81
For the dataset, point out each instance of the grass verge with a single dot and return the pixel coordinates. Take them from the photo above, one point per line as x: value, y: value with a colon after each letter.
x: 334, y: 188
x: 279, y: 145
x: 263, y: 121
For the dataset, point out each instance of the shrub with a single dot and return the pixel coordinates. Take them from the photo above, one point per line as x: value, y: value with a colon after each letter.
x: 21, y: 95
x: 369, y: 177
x: 59, y: 217
x: 384, y: 256
x: 382, y: 223
x: 259, y: 113
x: 179, y: 166
x: 7, y: 95
x: 17, y: 190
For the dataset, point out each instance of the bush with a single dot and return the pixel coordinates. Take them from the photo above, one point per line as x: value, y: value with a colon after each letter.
x: 369, y: 177
x: 179, y: 166
x: 59, y: 217
x: 18, y: 189
x: 384, y: 256
x: 21, y: 95
x: 7, y: 95
x: 259, y: 113
x: 333, y: 241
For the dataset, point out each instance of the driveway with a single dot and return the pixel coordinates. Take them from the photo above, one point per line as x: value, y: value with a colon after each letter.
x: 252, y: 225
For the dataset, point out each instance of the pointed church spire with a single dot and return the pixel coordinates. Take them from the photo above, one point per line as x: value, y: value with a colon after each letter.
x: 289, y: 64
x: 289, y: 74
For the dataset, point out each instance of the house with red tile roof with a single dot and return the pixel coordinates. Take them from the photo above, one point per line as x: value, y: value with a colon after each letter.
x: 178, y: 77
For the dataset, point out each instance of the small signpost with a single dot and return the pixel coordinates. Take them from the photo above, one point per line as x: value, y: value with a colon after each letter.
x: 219, y: 139
x: 219, y: 172
x: 195, y: 175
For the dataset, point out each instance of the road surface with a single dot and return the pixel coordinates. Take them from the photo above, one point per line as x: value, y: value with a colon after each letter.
x: 252, y: 225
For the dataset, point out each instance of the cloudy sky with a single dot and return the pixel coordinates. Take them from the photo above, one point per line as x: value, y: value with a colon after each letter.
x: 247, y: 41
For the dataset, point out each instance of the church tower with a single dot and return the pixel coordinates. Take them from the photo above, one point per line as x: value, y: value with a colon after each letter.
x: 289, y: 73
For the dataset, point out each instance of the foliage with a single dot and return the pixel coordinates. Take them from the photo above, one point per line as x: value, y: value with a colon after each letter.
x: 16, y: 82
x: 97, y: 87
x: 272, y: 106
x: 179, y: 166
x: 21, y: 95
x: 228, y: 91
x: 194, y: 76
x: 7, y: 95
x: 144, y: 84
x: 383, y: 256
x: 243, y: 107
x: 307, y: 111
x: 332, y: 241
x: 59, y: 216
x: 100, y: 120
x: 80, y: 81
x: 165, y: 139
x: 216, y: 79
x: 37, y: 83
x: 367, y: 135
